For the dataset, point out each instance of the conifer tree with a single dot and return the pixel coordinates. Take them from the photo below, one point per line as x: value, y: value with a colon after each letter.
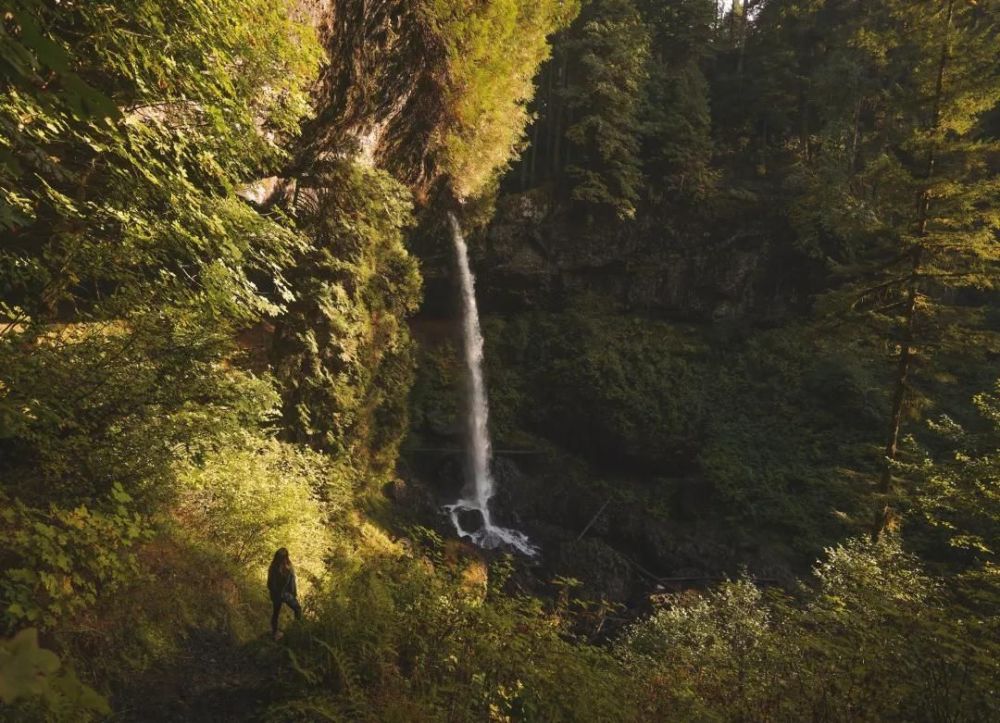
x: 609, y: 47
x: 676, y: 122
x: 902, y: 198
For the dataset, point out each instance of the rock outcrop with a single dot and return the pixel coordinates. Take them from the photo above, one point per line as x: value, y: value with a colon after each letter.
x: 533, y: 255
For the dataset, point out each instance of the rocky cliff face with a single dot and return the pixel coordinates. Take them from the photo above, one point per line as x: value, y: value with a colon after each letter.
x: 380, y: 96
x: 534, y: 255
x: 379, y: 101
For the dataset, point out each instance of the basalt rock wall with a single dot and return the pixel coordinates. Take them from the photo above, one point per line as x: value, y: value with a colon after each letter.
x: 535, y: 255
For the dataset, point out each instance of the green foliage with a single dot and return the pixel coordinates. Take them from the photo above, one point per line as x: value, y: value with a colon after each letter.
x: 28, y: 671
x: 611, y: 383
x: 623, y: 116
x: 611, y: 46
x: 256, y: 495
x: 881, y: 151
x: 792, y: 410
x: 699, y: 643
x: 493, y: 50
x: 935, y: 147
x: 418, y: 639
x: 435, y: 399
x: 58, y: 561
x: 87, y: 406
x: 958, y: 489
x: 130, y: 260
x: 100, y: 200
x: 872, y: 640
x: 343, y: 350
x: 127, y: 265
x: 766, y: 424
x: 676, y: 122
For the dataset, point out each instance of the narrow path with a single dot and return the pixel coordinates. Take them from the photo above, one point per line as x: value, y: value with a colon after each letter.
x: 212, y: 678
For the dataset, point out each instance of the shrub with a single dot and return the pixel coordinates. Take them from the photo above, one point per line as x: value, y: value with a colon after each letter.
x: 418, y: 639
x: 255, y: 495
x: 873, y: 639
x: 57, y: 561
x: 31, y: 676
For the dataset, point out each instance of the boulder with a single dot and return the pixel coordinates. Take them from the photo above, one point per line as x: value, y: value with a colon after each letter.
x: 470, y: 520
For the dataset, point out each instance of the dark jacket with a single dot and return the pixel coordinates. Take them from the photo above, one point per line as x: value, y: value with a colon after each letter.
x: 280, y: 585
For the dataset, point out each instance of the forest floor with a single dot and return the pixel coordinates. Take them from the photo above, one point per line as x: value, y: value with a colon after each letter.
x: 212, y: 678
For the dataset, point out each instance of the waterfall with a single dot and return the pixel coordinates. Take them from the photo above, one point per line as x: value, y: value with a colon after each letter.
x: 479, y: 484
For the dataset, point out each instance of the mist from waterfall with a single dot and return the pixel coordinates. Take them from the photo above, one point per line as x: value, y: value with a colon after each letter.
x: 479, y: 483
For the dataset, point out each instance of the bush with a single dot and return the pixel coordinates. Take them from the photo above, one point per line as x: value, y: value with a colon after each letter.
x: 873, y: 640
x: 30, y: 676
x: 255, y: 495
x: 56, y: 562
x: 428, y: 639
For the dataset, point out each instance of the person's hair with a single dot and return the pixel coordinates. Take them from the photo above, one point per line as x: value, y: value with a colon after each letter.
x: 282, y: 561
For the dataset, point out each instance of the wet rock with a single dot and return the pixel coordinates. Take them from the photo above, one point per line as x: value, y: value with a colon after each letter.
x: 413, y: 497
x: 509, y: 499
x: 470, y: 520
x: 506, y: 472
x: 448, y: 477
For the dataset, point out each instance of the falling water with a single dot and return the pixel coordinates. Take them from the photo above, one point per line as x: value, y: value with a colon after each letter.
x: 479, y: 480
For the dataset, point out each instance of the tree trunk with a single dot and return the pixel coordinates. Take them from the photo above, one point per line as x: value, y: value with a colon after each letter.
x: 906, y: 355
x: 557, y: 118
x: 551, y: 118
x: 852, y: 164
x: 884, y: 518
x: 803, y: 123
x: 742, y: 38
x: 534, y: 154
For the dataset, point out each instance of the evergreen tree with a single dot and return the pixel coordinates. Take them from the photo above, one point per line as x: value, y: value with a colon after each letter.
x: 676, y: 122
x: 608, y: 49
x: 923, y: 188
x: 893, y: 184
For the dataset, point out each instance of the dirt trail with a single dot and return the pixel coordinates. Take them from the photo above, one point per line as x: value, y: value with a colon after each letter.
x: 213, y: 678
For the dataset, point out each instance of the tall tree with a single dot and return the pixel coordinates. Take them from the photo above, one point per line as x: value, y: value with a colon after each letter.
x: 676, y: 122
x: 608, y: 48
x: 901, y: 194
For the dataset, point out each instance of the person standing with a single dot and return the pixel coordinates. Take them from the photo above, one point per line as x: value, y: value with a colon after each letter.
x: 281, y: 586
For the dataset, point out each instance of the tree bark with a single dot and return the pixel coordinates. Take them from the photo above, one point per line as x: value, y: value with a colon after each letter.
x: 742, y: 38
x: 906, y: 355
x: 534, y: 155
x: 551, y: 118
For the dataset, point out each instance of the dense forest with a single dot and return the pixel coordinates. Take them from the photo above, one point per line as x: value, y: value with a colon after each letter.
x: 736, y: 267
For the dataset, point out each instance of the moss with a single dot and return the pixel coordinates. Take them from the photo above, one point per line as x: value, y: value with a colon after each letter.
x: 342, y: 351
x: 759, y: 429
x: 493, y: 51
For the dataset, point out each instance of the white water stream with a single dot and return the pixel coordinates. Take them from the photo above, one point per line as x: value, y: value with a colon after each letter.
x: 479, y: 485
